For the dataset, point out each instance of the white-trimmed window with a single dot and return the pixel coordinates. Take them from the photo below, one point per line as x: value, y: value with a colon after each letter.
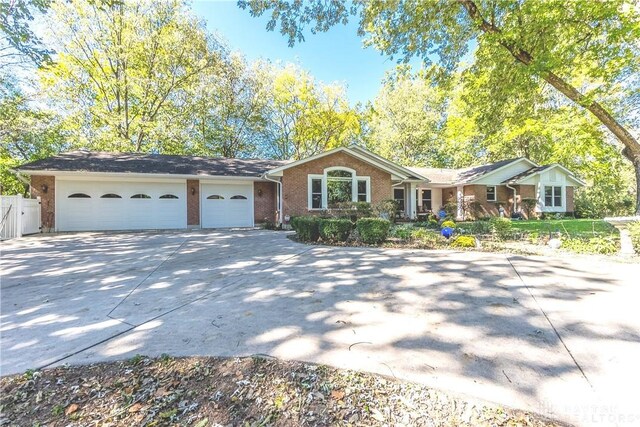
x: 337, y: 185
x: 553, y: 196
x: 492, y: 194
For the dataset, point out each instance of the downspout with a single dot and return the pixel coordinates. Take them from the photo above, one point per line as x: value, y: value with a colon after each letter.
x: 280, y: 205
x: 20, y: 177
x: 515, y: 197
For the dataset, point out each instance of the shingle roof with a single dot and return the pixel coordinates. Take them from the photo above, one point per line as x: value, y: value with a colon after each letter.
x: 526, y: 173
x: 91, y: 161
x: 460, y: 176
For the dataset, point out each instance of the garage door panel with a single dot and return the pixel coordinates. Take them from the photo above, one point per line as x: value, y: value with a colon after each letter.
x: 113, y: 205
x: 227, y: 205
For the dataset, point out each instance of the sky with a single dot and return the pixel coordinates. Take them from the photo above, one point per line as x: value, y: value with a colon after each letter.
x: 337, y: 56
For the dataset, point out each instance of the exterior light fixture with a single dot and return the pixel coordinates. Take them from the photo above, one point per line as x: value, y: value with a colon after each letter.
x: 193, y: 190
x: 259, y: 192
x: 44, y: 188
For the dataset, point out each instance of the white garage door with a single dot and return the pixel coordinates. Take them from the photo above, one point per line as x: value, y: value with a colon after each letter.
x: 120, y: 205
x: 227, y: 205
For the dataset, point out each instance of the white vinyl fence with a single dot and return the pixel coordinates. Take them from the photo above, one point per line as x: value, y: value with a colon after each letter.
x: 18, y: 216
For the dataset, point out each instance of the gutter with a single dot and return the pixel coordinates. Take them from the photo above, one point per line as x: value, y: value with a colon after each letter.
x: 264, y: 176
x: 515, y: 196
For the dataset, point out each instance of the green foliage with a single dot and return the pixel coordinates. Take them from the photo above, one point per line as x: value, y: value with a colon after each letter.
x: 334, y: 230
x: 373, y: 230
x: 18, y: 39
x: 306, y: 228
x: 569, y: 227
x: 403, y: 232
x: 428, y: 239
x: 477, y: 227
x: 405, y: 118
x: 430, y: 223
x: 354, y: 210
x: 528, y: 206
x: 502, y: 228
x: 386, y: 209
x: 608, y: 198
x: 448, y: 223
x: 464, y: 242
x: 594, y: 245
x: 634, y: 231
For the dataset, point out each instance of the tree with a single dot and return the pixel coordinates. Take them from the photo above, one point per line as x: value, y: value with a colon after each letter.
x: 26, y: 134
x: 405, y: 120
x: 123, y: 71
x: 228, y: 110
x: 17, y: 40
x: 585, y: 50
x: 303, y: 117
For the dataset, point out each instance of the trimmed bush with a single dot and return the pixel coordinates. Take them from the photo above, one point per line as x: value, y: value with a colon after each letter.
x: 464, y: 242
x: 386, y: 209
x: 501, y: 228
x: 335, y: 230
x: 448, y: 223
x: 634, y: 230
x: 306, y: 228
x: 373, y: 230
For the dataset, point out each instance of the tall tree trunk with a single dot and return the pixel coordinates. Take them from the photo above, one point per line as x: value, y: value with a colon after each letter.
x: 631, y: 145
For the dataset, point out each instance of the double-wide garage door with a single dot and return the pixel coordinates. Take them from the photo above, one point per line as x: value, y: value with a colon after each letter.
x: 226, y: 205
x: 119, y: 205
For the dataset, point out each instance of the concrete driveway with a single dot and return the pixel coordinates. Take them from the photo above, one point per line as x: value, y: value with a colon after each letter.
x: 560, y: 337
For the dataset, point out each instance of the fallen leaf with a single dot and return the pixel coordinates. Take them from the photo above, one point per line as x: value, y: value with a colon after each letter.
x: 71, y: 409
x: 135, y: 408
x: 337, y: 394
x: 161, y: 392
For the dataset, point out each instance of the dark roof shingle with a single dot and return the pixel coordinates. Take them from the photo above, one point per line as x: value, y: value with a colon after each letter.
x: 91, y: 161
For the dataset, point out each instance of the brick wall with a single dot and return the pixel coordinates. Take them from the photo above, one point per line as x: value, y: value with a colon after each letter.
x: 478, y: 193
x: 265, y: 201
x: 570, y: 201
x: 295, y: 181
x: 48, y: 200
x: 526, y: 192
x: 193, y: 203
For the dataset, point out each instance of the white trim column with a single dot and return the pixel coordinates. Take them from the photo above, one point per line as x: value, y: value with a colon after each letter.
x: 459, y: 203
x: 412, y: 201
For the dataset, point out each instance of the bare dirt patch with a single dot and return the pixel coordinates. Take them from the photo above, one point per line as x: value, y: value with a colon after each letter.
x: 253, y: 391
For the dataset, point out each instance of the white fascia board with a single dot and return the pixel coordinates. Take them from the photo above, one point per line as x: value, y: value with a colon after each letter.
x: 107, y: 175
x: 396, y: 172
x: 566, y: 171
x: 533, y: 165
x: 390, y: 164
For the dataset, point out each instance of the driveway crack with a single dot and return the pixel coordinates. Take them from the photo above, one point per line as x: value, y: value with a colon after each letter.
x: 146, y: 278
x: 575, y: 362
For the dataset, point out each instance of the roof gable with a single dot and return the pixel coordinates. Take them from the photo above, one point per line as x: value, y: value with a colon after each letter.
x: 396, y: 171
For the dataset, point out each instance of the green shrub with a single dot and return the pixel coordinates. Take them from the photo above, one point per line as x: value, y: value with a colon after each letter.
x: 428, y: 238
x: 386, y: 209
x: 634, y: 231
x: 354, y: 210
x: 464, y: 242
x: 335, y: 230
x: 595, y: 245
x: 373, y: 230
x: 306, y: 228
x: 448, y: 223
x: 403, y: 232
x: 430, y: 223
x: 501, y: 228
x: 474, y: 209
x: 476, y: 227
x: 528, y: 206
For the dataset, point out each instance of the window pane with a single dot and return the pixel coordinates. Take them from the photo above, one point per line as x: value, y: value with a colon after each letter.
x: 491, y: 193
x: 426, y: 200
x: 557, y: 196
x: 339, y: 174
x: 548, y: 196
x: 338, y: 192
x: 316, y: 201
x: 316, y: 186
x: 398, y: 194
x: 362, y: 187
x: 362, y: 197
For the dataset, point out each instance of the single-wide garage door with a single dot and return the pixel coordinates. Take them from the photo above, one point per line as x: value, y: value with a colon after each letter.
x: 227, y: 205
x: 120, y: 205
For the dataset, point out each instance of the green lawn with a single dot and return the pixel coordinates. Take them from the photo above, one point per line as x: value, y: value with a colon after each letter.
x: 575, y: 227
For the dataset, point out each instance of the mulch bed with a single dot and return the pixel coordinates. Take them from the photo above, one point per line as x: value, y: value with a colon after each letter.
x: 252, y: 391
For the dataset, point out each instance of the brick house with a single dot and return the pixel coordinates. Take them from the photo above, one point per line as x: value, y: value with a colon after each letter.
x: 121, y: 191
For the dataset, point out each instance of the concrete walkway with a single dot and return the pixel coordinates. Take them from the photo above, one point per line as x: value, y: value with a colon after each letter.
x: 560, y: 337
